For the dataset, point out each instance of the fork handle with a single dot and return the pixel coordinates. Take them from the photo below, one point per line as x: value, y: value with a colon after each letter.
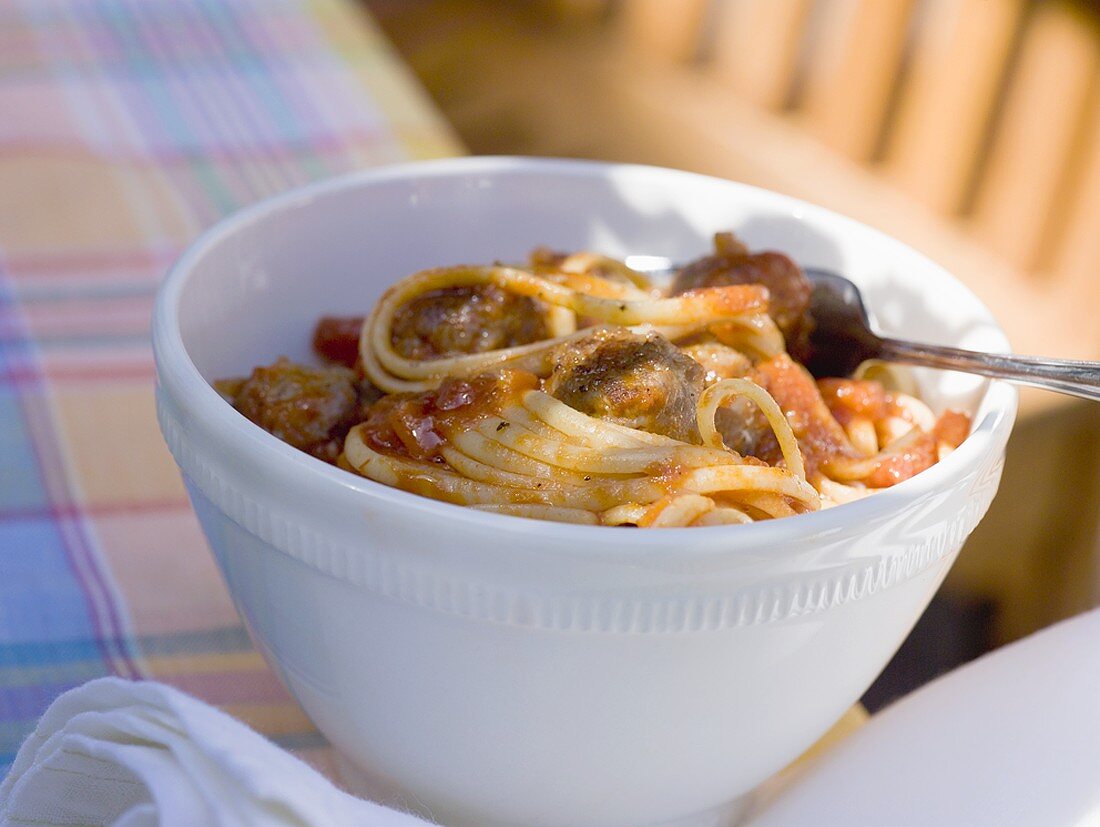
x: 1075, y: 377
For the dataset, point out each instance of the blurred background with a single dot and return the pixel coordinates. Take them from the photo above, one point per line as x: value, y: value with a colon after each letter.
x: 968, y: 128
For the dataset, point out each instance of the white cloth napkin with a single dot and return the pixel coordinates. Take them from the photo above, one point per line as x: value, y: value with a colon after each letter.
x: 1011, y: 739
x: 114, y: 752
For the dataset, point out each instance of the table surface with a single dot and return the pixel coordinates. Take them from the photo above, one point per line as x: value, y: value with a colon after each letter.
x: 127, y: 127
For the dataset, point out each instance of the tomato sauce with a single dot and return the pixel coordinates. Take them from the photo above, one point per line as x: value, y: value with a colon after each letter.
x: 419, y: 425
x: 336, y: 338
x: 794, y: 390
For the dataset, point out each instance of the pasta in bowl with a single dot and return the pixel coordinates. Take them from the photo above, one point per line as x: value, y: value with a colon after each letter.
x: 503, y: 670
x: 575, y: 389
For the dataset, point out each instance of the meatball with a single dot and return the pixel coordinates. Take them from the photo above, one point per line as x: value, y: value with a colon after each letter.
x: 788, y: 288
x: 470, y: 319
x: 309, y: 408
x: 746, y: 430
x: 643, y: 382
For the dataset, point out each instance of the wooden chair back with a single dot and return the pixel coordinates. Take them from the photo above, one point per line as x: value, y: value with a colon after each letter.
x: 986, y: 111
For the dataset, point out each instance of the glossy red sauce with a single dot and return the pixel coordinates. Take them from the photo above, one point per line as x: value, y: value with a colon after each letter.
x: 850, y: 398
x: 419, y: 425
x: 731, y: 300
x: 953, y: 427
x: 847, y: 399
x: 336, y: 338
x: 897, y: 467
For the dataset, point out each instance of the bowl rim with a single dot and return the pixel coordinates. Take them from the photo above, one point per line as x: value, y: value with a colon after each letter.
x: 178, y: 375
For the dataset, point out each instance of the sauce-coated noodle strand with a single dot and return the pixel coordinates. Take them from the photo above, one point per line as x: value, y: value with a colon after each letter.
x: 713, y: 398
x: 735, y: 306
x: 543, y: 457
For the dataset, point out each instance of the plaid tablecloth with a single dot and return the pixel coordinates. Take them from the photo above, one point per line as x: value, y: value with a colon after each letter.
x: 126, y: 127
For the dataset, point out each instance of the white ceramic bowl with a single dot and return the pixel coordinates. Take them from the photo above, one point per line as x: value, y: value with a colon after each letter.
x: 497, y: 670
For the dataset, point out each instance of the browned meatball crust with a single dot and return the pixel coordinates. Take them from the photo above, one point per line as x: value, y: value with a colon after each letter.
x: 470, y: 319
x: 642, y: 382
x: 788, y: 288
x: 309, y: 408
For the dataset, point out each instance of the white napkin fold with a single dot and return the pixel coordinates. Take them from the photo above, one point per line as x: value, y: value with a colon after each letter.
x: 1011, y: 739
x: 141, y: 754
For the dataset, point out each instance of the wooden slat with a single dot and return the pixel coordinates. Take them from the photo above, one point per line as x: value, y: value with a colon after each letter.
x: 578, y: 11
x: 756, y: 46
x: 1077, y: 258
x: 668, y: 29
x: 852, y: 69
x: 1036, y: 135
x: 720, y: 134
x: 958, y: 61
